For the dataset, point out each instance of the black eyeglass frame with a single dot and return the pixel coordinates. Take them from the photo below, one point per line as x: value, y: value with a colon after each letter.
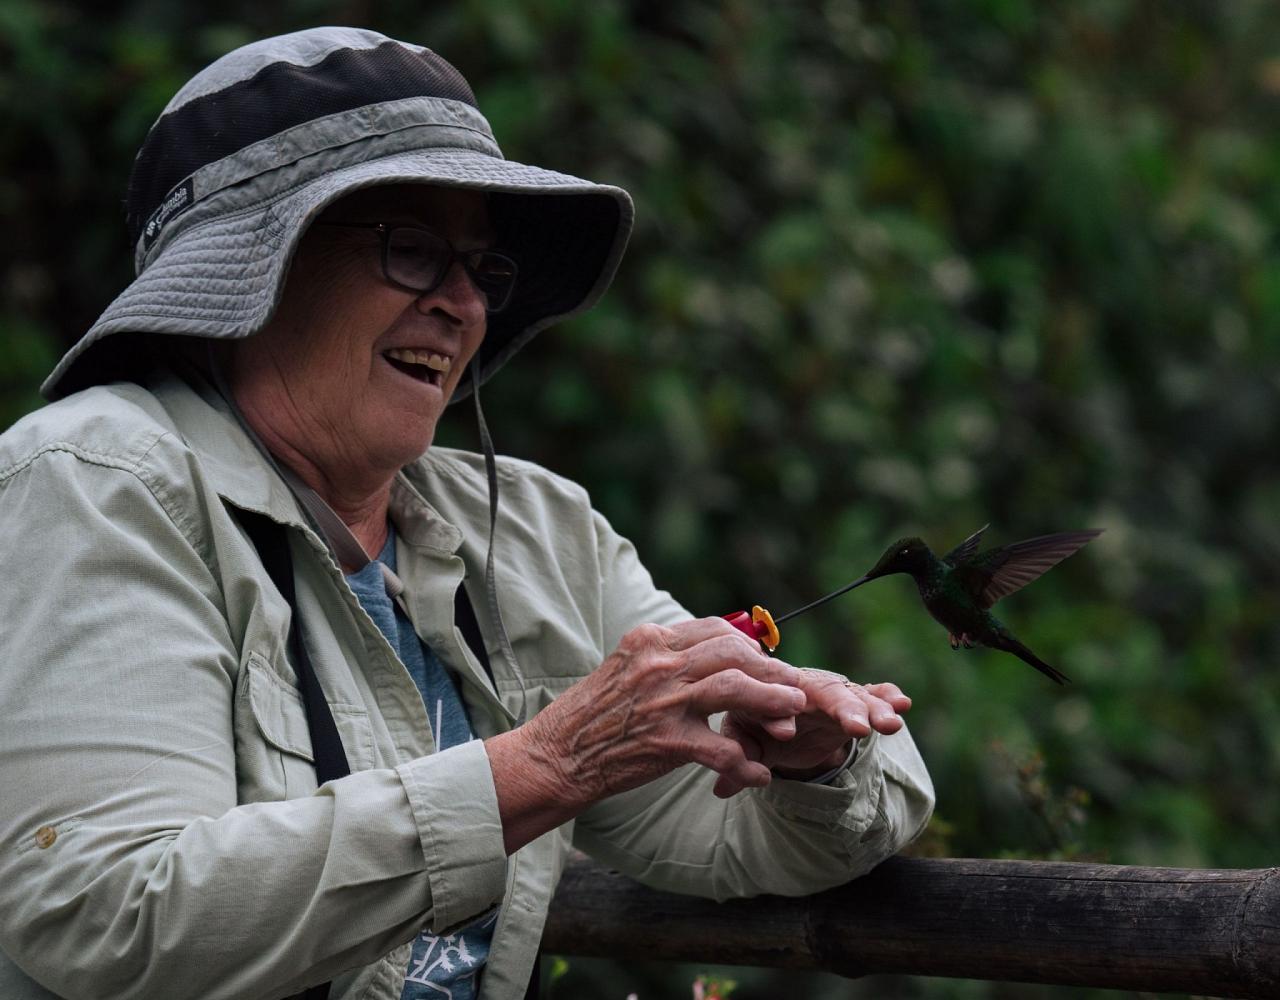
x: 465, y: 257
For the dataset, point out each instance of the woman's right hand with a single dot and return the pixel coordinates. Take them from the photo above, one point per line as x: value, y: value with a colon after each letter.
x: 641, y: 714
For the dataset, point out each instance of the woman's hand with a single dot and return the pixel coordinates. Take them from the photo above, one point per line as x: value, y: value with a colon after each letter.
x: 836, y: 710
x: 641, y: 714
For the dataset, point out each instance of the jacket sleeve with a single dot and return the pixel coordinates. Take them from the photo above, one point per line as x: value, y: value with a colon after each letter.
x: 790, y: 838
x: 126, y: 864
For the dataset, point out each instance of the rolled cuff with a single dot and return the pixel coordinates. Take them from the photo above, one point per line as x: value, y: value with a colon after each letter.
x: 455, y: 807
x: 826, y: 779
x: 848, y: 799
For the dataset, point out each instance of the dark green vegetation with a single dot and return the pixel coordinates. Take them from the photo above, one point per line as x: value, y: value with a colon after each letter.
x: 900, y: 268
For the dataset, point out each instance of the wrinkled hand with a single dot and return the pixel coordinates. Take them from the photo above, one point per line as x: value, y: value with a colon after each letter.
x: 645, y: 710
x: 817, y: 740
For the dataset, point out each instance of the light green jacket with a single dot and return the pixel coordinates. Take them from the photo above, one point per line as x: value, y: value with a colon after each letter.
x: 161, y: 833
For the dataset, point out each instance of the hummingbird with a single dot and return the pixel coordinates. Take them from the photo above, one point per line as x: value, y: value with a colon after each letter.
x: 959, y: 589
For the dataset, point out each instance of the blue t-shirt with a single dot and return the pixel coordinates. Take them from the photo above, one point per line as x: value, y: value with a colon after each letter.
x: 442, y: 967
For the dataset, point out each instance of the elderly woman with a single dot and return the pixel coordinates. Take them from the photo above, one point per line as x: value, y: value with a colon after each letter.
x: 291, y: 697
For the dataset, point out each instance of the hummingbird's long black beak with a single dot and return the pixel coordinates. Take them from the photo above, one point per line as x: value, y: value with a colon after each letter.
x: 823, y: 600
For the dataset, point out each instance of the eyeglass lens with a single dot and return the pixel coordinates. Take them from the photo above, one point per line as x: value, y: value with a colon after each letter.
x: 420, y: 260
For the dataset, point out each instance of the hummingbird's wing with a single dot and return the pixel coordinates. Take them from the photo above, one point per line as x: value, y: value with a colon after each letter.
x: 999, y: 572
x: 965, y: 549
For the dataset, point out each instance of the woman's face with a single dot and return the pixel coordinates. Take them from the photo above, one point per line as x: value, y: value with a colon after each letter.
x: 334, y: 371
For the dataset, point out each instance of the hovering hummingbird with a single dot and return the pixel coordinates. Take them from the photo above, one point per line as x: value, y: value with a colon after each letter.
x: 960, y: 588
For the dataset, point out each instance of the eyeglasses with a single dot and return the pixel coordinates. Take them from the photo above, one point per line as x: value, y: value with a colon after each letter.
x: 418, y: 260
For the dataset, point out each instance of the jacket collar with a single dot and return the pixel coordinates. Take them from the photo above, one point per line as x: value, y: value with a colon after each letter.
x: 229, y: 458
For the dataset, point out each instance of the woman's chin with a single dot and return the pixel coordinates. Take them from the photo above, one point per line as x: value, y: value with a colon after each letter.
x: 402, y: 443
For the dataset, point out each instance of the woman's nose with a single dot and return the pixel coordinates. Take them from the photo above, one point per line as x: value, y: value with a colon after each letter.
x: 457, y: 295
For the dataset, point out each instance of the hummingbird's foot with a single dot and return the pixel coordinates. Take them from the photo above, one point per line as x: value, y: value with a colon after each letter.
x: 955, y: 643
x: 964, y: 638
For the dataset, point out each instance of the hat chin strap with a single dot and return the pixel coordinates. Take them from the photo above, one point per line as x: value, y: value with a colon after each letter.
x: 490, y: 584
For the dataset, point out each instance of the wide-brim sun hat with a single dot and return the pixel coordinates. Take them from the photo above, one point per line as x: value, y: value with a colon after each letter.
x: 254, y: 147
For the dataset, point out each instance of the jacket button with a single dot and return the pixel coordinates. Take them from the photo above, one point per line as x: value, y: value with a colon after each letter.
x: 45, y: 837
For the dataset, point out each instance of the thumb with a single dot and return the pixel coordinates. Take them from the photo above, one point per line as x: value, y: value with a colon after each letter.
x: 725, y: 785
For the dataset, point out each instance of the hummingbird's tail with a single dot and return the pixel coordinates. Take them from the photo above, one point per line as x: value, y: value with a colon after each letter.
x: 1009, y: 644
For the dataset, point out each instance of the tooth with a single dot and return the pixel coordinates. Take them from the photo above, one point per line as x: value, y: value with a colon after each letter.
x: 409, y: 355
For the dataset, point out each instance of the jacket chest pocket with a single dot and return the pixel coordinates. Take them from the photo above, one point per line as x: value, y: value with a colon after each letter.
x: 274, y: 758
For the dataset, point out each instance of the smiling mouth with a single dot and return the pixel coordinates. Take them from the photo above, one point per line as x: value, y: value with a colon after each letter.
x: 424, y: 366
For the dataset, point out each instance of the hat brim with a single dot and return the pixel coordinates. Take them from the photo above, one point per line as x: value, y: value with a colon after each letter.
x: 222, y: 278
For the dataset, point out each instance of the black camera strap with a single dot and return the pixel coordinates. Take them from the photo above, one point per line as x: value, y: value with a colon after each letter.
x: 272, y: 543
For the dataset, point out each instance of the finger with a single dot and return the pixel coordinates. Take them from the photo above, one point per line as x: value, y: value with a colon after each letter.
x: 749, y: 731
x: 881, y: 714
x: 687, y: 634
x: 735, y: 691
x: 728, y: 785
x: 839, y: 700
x: 727, y: 758
x: 780, y: 729
x: 725, y: 785
x: 725, y: 652
x: 860, y: 709
x: 744, y: 729
x: 854, y: 721
x: 892, y: 694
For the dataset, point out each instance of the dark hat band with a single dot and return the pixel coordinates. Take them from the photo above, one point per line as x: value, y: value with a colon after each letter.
x: 278, y: 97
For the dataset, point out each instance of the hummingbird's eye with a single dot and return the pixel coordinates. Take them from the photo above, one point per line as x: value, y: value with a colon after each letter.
x: 903, y: 552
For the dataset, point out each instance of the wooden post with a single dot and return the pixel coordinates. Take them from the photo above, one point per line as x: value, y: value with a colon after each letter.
x: 1159, y: 929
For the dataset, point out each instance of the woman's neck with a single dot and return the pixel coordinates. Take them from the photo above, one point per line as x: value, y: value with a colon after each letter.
x: 360, y: 498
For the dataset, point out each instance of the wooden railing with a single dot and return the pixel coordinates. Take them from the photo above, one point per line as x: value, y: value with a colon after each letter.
x: 1207, y: 931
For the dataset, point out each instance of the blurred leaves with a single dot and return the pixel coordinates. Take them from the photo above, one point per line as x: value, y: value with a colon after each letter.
x: 898, y: 267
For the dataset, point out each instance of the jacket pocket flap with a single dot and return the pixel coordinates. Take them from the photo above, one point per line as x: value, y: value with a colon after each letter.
x: 278, y: 709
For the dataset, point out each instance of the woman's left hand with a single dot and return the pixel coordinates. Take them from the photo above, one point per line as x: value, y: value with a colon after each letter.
x: 817, y: 739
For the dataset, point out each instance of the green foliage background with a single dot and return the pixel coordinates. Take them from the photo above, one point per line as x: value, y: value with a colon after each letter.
x: 900, y: 267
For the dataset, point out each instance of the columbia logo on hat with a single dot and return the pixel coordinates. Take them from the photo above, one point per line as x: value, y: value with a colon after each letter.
x: 175, y: 202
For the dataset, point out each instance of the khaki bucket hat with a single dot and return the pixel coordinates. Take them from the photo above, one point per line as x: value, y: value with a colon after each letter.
x: 254, y: 147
